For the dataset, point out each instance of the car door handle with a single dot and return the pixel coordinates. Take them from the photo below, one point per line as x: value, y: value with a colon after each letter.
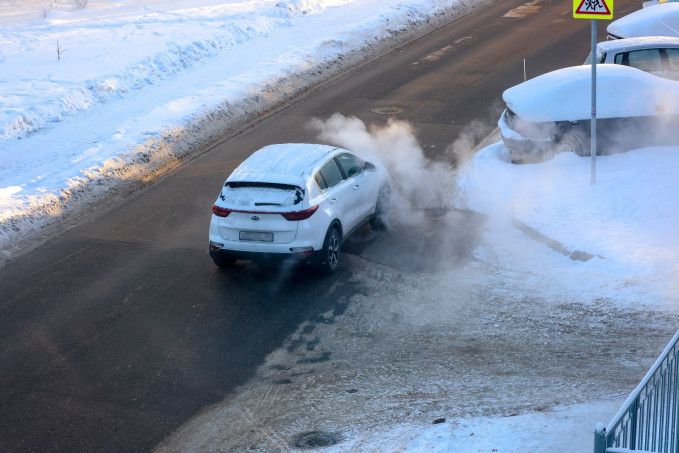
x: 356, y: 187
x: 333, y: 200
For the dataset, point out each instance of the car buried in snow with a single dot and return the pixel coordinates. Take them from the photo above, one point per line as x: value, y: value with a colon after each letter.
x: 296, y: 201
x: 551, y: 113
x: 650, y: 3
x: 657, y: 20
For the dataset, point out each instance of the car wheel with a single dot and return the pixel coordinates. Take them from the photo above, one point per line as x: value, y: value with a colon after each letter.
x: 223, y: 262
x: 331, y: 251
x: 379, y: 220
x: 570, y: 143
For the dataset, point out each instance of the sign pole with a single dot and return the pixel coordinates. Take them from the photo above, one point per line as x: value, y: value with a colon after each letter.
x: 594, y: 10
x: 593, y: 125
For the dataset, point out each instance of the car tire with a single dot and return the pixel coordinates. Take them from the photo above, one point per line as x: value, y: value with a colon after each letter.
x: 222, y: 261
x: 332, y: 249
x: 378, y: 221
x: 571, y: 143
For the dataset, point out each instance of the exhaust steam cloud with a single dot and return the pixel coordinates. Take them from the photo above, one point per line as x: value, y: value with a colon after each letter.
x: 417, y: 183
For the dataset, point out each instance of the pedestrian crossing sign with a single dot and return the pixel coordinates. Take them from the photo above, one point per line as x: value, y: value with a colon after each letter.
x: 593, y: 9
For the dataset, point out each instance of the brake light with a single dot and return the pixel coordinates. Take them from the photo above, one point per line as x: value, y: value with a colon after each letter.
x: 220, y: 212
x: 292, y: 216
x: 299, y: 215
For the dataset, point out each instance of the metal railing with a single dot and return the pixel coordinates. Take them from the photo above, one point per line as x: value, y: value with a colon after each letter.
x: 649, y: 419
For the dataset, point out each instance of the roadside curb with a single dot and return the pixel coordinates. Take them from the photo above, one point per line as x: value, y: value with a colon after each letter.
x: 553, y: 244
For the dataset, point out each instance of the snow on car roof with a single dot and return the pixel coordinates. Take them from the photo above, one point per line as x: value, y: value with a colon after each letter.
x: 641, y: 42
x: 658, y: 20
x: 287, y: 163
x: 565, y: 94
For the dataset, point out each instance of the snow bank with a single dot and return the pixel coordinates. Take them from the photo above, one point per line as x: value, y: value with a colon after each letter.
x: 110, y: 52
x: 626, y: 221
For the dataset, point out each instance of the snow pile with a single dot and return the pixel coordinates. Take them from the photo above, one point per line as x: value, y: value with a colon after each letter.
x: 625, y: 223
x: 98, y: 101
x: 91, y: 56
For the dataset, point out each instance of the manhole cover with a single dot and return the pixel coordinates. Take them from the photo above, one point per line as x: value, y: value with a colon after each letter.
x: 388, y: 110
x: 317, y: 439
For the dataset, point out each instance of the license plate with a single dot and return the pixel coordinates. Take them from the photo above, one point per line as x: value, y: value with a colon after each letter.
x: 255, y: 236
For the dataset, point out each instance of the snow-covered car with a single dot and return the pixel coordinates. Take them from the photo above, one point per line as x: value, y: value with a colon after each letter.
x: 657, y: 2
x: 297, y: 201
x: 658, y: 20
x: 551, y: 113
x: 658, y: 55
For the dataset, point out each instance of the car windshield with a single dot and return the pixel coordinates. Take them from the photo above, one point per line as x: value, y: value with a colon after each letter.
x: 251, y: 195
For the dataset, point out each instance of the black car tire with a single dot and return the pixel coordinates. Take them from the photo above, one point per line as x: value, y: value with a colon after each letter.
x: 332, y: 249
x: 571, y: 143
x: 378, y: 221
x: 222, y: 261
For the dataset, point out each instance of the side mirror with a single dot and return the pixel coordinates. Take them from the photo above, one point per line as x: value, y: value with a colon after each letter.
x: 369, y: 167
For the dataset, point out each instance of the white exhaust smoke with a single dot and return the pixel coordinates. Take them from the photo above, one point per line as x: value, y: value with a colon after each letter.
x: 417, y: 183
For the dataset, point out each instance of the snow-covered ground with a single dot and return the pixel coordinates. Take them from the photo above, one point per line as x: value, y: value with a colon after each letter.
x: 94, y: 98
x: 97, y: 100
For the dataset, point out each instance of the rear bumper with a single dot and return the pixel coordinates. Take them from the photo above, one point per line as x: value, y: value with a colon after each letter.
x: 314, y: 257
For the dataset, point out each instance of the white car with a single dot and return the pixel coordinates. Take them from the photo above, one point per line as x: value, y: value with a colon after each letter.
x: 657, y: 2
x: 658, y: 20
x: 551, y: 113
x: 658, y: 55
x: 297, y: 201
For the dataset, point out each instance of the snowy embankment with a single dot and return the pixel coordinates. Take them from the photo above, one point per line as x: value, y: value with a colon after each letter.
x: 98, y: 101
x: 625, y: 223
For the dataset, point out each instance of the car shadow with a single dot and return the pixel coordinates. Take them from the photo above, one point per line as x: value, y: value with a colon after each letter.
x: 445, y: 238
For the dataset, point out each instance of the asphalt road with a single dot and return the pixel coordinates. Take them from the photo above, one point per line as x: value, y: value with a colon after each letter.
x: 115, y: 332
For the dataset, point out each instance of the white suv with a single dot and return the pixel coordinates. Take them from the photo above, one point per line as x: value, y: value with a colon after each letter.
x: 296, y: 201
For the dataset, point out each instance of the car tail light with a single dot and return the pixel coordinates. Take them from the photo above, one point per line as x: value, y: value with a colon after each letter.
x: 220, y: 212
x: 302, y: 251
x: 214, y: 246
x: 299, y: 215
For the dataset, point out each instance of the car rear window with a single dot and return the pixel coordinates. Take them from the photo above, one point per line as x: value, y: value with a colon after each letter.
x: 261, y: 194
